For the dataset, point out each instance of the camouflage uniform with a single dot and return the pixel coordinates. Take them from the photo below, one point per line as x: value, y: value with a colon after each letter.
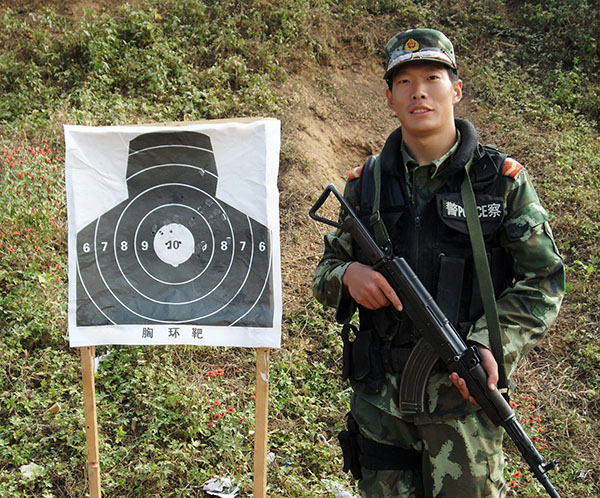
x: 461, y: 451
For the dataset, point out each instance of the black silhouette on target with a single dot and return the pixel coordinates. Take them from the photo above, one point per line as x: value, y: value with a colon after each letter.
x: 173, y: 252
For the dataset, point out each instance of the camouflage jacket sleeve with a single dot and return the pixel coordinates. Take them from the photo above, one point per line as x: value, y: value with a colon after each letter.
x: 530, y: 305
x: 328, y: 288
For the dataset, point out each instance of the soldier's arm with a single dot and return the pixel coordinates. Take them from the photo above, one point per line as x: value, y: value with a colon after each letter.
x: 328, y: 287
x: 529, y: 306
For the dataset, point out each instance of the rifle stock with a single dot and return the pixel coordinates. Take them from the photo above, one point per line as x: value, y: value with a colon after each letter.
x: 440, y: 338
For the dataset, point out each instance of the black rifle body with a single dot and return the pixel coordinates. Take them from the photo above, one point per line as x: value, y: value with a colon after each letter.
x: 440, y: 335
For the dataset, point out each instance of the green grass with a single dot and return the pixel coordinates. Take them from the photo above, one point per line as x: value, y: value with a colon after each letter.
x: 172, y: 417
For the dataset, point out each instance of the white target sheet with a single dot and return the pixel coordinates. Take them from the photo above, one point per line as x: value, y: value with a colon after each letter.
x: 174, y: 234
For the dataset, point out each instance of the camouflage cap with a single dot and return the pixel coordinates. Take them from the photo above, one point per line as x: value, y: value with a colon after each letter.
x: 418, y: 44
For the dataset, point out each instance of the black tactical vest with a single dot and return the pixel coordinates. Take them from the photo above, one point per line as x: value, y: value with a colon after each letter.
x: 435, y: 243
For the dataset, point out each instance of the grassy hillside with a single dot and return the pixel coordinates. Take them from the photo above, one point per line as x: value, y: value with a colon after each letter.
x: 170, y: 418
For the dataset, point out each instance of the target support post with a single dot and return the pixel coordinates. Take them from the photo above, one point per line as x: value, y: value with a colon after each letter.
x: 260, y: 432
x: 91, y: 422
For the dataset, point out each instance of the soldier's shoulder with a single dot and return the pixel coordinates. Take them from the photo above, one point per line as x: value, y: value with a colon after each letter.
x: 358, y: 171
x: 508, y: 166
x: 354, y: 173
x: 511, y: 168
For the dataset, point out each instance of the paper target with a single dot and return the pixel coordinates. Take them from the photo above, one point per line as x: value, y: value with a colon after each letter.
x: 173, y: 262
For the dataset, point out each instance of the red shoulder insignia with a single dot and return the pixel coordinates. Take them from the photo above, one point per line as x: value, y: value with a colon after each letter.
x: 511, y: 168
x: 354, y: 173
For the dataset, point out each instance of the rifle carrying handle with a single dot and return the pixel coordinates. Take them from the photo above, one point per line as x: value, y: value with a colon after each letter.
x: 321, y: 200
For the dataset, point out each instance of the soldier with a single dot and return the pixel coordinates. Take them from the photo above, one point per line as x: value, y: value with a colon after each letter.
x: 450, y: 448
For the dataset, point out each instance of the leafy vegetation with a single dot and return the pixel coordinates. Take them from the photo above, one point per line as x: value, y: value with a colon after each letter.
x: 171, y: 418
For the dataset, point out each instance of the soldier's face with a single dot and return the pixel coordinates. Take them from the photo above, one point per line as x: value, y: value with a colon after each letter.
x: 423, y: 97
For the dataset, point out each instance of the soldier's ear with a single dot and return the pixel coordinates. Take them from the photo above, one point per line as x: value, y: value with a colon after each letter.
x: 390, y: 99
x: 457, y: 87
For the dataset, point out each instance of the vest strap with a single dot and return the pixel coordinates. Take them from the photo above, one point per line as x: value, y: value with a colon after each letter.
x: 379, y: 230
x: 483, y: 275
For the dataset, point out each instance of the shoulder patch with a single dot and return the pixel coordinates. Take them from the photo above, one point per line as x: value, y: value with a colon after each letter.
x: 355, y: 173
x: 511, y: 168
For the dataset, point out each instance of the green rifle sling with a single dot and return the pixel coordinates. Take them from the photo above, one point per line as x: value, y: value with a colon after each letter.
x: 484, y: 277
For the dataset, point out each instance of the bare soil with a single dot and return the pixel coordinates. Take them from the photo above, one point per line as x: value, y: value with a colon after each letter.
x: 336, y: 121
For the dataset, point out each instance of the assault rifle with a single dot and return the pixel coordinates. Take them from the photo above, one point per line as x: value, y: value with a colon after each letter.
x: 439, y: 340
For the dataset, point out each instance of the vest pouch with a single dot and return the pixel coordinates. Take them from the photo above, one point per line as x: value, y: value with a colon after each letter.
x: 361, y: 358
x: 347, y: 349
x: 449, y: 291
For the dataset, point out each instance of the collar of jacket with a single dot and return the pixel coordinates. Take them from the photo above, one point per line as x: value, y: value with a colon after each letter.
x: 391, y: 154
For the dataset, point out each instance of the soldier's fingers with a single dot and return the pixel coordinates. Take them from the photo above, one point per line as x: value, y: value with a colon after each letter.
x: 371, y: 298
x: 381, y: 298
x: 390, y: 295
x: 461, y: 385
x: 490, y: 366
x: 456, y: 381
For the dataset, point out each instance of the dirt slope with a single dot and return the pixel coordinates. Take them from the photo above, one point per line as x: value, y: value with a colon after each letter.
x: 336, y: 122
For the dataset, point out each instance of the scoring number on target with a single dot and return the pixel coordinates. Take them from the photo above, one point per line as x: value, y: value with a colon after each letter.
x: 174, y: 244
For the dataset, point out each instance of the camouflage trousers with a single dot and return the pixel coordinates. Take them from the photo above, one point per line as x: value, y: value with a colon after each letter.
x: 460, y: 458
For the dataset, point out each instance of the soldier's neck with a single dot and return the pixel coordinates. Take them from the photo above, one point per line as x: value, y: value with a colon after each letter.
x: 429, y: 147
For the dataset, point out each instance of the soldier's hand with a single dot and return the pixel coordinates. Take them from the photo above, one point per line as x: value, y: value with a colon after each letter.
x: 369, y: 288
x: 488, y: 362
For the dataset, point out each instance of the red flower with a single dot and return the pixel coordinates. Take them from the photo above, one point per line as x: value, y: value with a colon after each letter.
x: 216, y: 402
x: 512, y: 484
x: 217, y: 416
x: 517, y: 474
x: 231, y: 410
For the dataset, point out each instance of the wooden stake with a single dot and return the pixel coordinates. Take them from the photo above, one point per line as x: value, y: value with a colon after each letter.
x: 91, y: 424
x: 260, y: 433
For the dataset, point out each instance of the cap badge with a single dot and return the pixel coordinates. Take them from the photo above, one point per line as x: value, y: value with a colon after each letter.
x: 411, y: 45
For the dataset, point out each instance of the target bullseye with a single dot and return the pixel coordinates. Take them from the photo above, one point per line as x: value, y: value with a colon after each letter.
x: 174, y: 244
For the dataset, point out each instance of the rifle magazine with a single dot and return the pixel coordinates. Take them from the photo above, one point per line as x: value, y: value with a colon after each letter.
x: 414, y: 377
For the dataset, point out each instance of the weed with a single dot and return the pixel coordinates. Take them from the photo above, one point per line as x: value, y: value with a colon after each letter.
x: 171, y: 418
